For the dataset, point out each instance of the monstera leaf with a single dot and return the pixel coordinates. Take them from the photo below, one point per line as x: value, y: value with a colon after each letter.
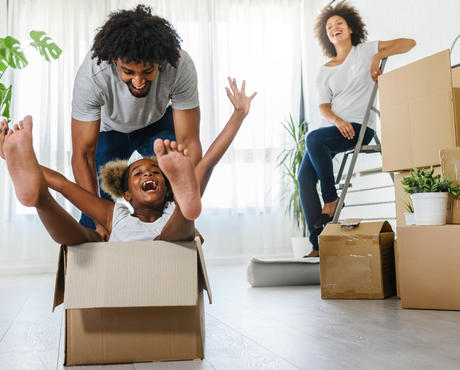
x: 11, y: 54
x: 44, y: 45
x: 5, y: 99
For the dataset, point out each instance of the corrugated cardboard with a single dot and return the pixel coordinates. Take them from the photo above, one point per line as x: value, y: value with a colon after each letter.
x: 420, y: 113
x: 132, y: 302
x: 397, y: 268
x: 429, y: 266
x: 357, y: 263
x: 401, y: 197
x: 456, y: 76
x: 450, y: 167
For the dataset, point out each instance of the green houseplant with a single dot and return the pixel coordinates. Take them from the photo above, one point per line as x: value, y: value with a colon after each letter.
x: 290, y: 160
x: 12, y: 56
x: 429, y: 195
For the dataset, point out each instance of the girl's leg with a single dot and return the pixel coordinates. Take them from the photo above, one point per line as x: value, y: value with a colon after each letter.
x: 179, y: 170
x: 309, y: 199
x: 32, y: 189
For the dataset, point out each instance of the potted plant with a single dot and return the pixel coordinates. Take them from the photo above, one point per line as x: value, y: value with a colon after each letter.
x: 12, y: 55
x: 289, y: 160
x: 409, y: 214
x: 429, y: 195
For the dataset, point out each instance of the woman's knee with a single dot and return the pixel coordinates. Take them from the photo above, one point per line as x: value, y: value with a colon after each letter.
x: 313, y: 141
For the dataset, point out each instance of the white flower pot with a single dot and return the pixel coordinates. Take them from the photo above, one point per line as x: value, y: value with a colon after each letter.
x: 430, y: 208
x: 300, y: 246
x: 410, y: 218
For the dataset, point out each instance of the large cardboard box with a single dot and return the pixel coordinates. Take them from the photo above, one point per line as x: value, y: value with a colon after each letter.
x: 358, y: 262
x: 429, y: 266
x: 450, y: 167
x: 132, y: 301
x: 420, y: 113
x: 402, y: 198
x: 397, y: 268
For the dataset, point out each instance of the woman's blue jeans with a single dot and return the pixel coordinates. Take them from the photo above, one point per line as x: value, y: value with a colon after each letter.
x: 321, y: 147
x: 117, y: 145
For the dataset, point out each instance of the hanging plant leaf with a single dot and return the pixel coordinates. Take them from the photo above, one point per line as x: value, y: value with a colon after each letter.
x: 11, y: 54
x: 44, y: 45
x: 5, y: 100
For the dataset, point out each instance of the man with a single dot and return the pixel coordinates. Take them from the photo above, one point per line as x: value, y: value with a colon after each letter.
x: 134, y: 86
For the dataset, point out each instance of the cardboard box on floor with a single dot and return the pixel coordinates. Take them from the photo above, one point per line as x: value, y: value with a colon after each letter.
x: 132, y: 301
x: 358, y: 262
x: 429, y: 266
x: 420, y: 113
x: 450, y: 167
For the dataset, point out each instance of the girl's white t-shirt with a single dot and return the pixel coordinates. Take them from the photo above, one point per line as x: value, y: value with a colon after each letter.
x: 127, y: 228
x: 348, y: 86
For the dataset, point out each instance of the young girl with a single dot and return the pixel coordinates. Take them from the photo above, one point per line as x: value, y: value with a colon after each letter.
x: 145, y: 184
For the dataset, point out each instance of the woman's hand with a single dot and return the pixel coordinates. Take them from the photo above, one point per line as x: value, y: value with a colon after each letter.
x: 240, y: 101
x: 375, y: 67
x: 345, y: 128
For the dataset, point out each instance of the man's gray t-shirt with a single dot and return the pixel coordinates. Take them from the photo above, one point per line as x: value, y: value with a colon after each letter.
x: 99, y: 93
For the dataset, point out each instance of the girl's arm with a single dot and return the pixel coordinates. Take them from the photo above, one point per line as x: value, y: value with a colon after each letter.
x: 241, y: 104
x: 389, y: 48
x: 97, y: 208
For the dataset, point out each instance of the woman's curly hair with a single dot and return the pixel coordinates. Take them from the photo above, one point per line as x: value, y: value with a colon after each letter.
x: 137, y: 35
x: 353, y: 19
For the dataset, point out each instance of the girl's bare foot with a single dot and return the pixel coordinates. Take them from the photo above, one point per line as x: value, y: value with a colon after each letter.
x: 23, y: 166
x: 4, y: 128
x: 178, y: 168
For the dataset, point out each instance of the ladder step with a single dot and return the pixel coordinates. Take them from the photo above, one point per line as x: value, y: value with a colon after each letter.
x: 367, y: 189
x: 369, y: 204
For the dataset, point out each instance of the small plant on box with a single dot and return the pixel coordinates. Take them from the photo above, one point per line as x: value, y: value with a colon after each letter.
x: 423, y: 181
x: 429, y: 195
x: 409, y: 207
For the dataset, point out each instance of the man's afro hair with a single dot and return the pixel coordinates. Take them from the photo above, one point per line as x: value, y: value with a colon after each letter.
x: 137, y: 36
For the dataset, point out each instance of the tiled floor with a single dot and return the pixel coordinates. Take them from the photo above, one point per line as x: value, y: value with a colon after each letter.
x: 252, y: 328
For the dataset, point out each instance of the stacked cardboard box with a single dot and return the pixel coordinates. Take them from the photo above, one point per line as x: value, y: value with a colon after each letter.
x: 420, y: 113
x: 132, y: 302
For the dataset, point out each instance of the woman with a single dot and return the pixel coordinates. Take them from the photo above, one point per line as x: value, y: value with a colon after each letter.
x: 344, y: 86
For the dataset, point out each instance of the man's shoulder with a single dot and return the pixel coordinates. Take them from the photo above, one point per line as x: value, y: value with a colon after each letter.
x: 92, y: 69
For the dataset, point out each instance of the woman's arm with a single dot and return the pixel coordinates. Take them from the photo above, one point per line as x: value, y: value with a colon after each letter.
x: 97, y: 208
x: 345, y: 128
x: 386, y: 49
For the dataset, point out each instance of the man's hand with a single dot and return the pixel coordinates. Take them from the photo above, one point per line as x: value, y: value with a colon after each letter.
x: 102, y: 231
x: 345, y: 128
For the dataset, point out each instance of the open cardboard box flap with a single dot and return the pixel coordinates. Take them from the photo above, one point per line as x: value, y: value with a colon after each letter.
x: 130, y: 274
x: 362, y: 230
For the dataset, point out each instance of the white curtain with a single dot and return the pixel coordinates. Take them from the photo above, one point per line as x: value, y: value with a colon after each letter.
x: 256, y: 40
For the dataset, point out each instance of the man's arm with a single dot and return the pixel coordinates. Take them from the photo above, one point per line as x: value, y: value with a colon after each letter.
x: 187, y: 128
x: 84, y: 142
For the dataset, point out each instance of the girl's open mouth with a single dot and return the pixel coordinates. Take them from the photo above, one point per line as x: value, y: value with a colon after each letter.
x: 150, y: 185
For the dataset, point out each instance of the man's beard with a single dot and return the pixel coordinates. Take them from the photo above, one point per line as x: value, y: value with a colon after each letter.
x: 142, y: 94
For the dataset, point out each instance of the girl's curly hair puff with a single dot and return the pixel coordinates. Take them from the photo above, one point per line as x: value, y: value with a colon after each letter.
x: 115, y: 176
x: 137, y: 36
x: 353, y: 19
